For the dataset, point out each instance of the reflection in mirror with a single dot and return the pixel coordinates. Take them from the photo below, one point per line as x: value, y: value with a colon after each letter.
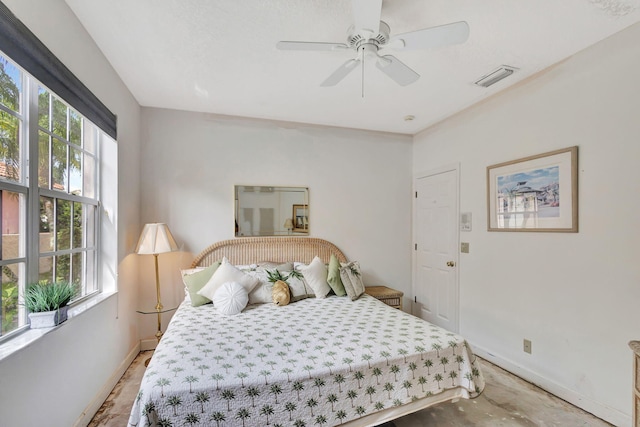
x: 271, y: 211
x: 300, y: 218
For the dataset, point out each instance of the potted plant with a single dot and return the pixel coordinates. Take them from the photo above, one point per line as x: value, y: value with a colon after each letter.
x: 274, y: 275
x: 47, y: 302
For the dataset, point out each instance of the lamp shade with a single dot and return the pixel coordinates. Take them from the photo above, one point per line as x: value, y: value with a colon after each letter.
x: 288, y: 223
x: 156, y: 239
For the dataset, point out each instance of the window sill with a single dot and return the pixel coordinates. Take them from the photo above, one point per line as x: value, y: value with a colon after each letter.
x: 29, y: 336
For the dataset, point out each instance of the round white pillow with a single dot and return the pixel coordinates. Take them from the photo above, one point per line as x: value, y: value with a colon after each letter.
x: 230, y: 298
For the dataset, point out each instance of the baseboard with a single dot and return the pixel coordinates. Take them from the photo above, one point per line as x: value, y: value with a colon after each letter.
x: 598, y: 409
x: 98, y: 400
x: 149, y: 344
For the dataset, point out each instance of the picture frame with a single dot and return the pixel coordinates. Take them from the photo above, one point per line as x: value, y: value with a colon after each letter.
x: 534, y: 194
x: 300, y: 216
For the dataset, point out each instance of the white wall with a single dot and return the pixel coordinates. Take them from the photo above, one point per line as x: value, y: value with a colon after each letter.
x: 70, y: 369
x: 359, y: 188
x: 575, y: 296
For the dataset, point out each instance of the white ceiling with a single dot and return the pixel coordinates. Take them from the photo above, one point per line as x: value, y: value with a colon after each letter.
x: 220, y: 56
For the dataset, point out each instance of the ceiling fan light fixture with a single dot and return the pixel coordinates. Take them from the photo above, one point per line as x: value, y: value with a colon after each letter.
x: 495, y: 76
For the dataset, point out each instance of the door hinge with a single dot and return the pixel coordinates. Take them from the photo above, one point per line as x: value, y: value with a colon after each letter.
x: 415, y: 299
x: 415, y: 247
x: 416, y: 194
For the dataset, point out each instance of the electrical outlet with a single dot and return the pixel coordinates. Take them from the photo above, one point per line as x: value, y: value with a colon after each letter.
x: 464, y: 247
x: 527, y: 346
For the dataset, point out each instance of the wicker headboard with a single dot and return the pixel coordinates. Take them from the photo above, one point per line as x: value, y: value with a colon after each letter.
x: 249, y: 250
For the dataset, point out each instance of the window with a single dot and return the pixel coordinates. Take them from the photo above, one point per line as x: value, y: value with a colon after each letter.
x: 67, y: 171
x: 49, y: 161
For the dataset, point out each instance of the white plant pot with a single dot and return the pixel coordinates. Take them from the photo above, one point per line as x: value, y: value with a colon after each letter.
x: 48, y: 319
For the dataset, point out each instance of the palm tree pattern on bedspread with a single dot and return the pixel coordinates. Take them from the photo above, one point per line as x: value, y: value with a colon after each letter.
x: 314, y: 362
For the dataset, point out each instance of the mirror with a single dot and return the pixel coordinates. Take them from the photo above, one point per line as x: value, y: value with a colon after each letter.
x: 271, y: 211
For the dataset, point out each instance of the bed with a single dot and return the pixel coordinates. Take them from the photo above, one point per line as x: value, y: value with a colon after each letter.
x: 317, y: 361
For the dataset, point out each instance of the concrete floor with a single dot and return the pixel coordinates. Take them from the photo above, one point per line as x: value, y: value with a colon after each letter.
x: 506, y: 401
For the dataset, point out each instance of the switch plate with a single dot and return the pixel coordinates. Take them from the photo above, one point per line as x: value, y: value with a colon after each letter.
x: 464, y: 247
x: 526, y: 346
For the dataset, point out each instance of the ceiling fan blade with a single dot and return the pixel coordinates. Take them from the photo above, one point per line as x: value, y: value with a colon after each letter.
x: 443, y: 35
x: 340, y: 73
x: 396, y: 70
x: 366, y: 15
x: 310, y: 46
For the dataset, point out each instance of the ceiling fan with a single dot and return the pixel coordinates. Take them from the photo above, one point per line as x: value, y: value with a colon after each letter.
x: 368, y: 36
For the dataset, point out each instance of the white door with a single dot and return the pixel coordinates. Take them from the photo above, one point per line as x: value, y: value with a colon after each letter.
x: 436, y: 238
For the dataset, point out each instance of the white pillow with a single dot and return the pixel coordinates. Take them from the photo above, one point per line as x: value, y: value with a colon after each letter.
x: 261, y: 294
x: 315, y: 274
x: 230, y: 298
x: 247, y: 267
x: 227, y: 273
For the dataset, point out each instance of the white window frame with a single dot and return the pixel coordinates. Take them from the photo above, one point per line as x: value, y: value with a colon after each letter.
x: 29, y: 186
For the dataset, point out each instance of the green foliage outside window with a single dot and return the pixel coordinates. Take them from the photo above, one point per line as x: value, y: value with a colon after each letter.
x: 9, y: 306
x: 9, y: 124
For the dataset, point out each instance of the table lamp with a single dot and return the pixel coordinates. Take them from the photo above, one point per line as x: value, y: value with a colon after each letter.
x: 288, y: 224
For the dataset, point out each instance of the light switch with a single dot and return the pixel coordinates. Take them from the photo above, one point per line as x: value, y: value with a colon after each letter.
x: 464, y: 247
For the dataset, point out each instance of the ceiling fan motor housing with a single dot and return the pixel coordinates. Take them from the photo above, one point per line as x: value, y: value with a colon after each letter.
x: 355, y: 39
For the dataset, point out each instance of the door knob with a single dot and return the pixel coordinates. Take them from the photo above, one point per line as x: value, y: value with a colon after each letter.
x: 451, y: 264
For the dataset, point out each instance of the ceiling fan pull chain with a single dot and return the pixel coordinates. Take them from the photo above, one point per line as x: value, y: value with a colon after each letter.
x: 363, y: 55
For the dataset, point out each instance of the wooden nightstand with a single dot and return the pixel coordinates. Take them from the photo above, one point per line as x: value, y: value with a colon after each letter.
x: 635, y: 346
x: 387, y: 295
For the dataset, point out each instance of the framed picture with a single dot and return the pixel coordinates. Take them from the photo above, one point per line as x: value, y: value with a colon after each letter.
x: 537, y: 193
x: 300, y: 218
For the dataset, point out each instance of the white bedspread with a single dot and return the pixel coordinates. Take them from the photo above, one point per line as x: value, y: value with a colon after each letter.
x: 313, y: 362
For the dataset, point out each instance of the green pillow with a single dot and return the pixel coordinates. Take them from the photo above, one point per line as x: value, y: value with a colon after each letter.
x: 196, y: 281
x: 333, y: 277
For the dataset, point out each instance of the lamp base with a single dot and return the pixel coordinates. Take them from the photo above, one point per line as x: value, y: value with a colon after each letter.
x: 158, y: 336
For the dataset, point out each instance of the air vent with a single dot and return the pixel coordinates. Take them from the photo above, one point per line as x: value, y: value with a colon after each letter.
x: 496, y: 75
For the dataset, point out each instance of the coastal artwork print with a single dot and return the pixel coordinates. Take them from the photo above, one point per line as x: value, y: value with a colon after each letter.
x: 538, y: 193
